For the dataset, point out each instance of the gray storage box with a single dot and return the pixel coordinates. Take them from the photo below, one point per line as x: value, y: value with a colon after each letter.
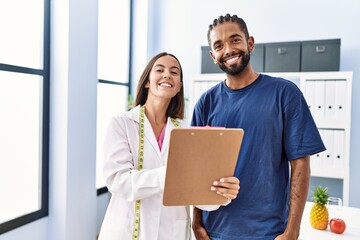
x: 258, y: 57
x: 321, y: 55
x: 207, y: 63
x: 282, y: 57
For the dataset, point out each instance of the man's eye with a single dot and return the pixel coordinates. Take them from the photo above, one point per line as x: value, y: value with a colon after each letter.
x: 217, y: 47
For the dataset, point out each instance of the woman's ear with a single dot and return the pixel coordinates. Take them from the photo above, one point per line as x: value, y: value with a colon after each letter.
x: 181, y: 85
x: 147, y: 84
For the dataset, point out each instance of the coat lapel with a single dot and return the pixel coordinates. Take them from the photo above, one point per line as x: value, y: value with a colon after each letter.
x: 150, y: 136
x: 148, y: 132
x: 169, y: 126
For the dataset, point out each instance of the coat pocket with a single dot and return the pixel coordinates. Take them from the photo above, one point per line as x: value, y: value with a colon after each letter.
x: 182, y: 230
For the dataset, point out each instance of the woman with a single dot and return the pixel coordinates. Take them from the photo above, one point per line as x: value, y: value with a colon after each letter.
x: 136, y: 178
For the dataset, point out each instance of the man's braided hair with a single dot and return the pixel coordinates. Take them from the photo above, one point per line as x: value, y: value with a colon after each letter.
x: 228, y: 18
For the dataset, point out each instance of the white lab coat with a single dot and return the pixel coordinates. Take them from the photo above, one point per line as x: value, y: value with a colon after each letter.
x: 127, y: 184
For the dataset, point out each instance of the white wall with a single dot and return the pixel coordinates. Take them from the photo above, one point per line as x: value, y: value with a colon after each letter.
x: 180, y: 27
x: 72, y: 203
x: 73, y: 200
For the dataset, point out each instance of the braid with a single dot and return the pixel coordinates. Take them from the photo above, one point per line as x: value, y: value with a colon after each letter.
x: 228, y: 18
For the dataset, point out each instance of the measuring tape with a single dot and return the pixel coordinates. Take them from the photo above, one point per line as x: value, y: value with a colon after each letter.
x: 135, y: 235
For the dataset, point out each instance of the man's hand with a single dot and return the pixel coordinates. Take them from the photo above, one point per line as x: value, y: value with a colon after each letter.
x: 285, y: 236
x: 227, y: 187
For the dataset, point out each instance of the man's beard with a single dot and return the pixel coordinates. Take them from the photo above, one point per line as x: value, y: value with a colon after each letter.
x: 238, y: 68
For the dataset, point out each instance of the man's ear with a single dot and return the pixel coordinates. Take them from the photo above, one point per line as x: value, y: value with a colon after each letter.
x: 251, y: 44
x: 213, y: 57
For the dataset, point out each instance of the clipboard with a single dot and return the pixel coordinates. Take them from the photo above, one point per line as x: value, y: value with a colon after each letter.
x: 197, y: 157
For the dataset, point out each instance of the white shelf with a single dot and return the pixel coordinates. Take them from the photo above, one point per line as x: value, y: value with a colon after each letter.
x: 336, y: 123
x: 328, y: 172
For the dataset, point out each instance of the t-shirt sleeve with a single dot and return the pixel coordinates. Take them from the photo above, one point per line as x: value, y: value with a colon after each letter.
x: 197, y: 117
x: 301, y: 136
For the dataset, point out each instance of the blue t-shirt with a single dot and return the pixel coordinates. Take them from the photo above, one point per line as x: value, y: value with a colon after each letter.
x: 278, y: 128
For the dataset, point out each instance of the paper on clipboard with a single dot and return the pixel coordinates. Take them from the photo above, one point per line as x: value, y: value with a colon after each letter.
x: 197, y: 157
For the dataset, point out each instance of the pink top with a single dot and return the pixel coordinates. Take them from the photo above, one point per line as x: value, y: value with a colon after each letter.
x: 161, y: 137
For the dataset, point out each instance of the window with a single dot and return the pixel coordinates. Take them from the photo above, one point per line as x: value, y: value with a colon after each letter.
x: 114, y: 31
x: 24, y: 106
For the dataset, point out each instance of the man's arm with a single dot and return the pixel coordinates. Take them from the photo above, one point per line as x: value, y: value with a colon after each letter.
x: 299, y: 187
x: 197, y: 225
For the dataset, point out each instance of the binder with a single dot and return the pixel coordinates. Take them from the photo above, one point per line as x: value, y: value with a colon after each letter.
x: 340, y: 98
x: 339, y: 148
x: 197, y: 157
x: 317, y: 159
x: 319, y: 98
x: 330, y: 91
x: 310, y: 95
x: 328, y: 158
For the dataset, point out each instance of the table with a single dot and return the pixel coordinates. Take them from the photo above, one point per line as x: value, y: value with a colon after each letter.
x: 350, y: 215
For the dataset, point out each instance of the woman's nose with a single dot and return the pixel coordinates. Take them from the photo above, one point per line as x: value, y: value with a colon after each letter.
x: 166, y: 75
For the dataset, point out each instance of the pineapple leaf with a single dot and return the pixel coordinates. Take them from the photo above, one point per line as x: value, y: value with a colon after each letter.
x: 320, y: 195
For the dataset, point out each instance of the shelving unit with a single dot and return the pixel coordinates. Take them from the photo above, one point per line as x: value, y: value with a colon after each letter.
x: 328, y: 95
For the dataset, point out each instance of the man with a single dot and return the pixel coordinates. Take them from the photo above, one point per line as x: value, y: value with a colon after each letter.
x: 279, y: 131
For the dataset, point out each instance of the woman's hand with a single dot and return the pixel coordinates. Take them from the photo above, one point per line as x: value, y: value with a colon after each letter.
x: 227, y: 187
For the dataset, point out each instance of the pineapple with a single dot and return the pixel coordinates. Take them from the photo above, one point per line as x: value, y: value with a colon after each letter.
x: 319, y: 215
